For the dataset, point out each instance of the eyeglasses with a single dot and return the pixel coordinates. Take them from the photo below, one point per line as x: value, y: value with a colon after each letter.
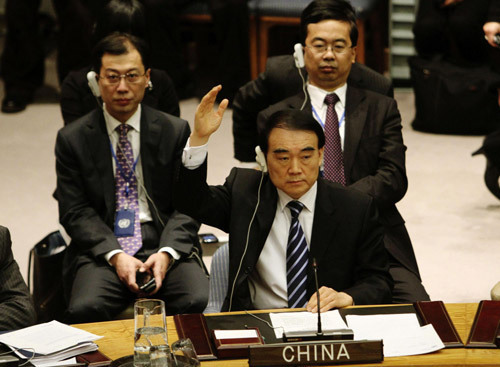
x: 321, y: 48
x: 113, y: 78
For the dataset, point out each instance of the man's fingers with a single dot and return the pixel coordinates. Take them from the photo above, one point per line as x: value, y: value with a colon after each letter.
x: 222, y: 107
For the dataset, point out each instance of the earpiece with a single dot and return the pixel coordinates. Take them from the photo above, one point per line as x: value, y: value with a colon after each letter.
x: 260, y: 159
x: 150, y: 85
x: 92, y: 80
x: 298, y: 55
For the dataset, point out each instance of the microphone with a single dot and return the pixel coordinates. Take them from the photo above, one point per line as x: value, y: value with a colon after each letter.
x: 315, y: 267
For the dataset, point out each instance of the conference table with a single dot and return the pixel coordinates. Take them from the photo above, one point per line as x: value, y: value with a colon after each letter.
x: 118, y: 341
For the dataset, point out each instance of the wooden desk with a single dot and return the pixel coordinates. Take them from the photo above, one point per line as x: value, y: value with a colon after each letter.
x: 119, y: 338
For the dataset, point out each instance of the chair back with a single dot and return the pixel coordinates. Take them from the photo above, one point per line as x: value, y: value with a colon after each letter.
x: 219, y: 273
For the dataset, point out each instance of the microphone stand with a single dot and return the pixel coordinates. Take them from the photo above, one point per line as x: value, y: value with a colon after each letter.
x: 315, y: 267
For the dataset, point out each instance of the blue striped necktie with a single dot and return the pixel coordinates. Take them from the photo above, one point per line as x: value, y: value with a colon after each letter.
x: 297, y: 259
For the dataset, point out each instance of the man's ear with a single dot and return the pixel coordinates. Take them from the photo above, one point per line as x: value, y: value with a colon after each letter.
x: 354, y: 52
x: 320, y: 152
x: 147, y: 74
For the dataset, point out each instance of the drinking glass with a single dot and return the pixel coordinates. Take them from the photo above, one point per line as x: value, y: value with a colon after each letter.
x: 150, y: 343
x: 184, y: 354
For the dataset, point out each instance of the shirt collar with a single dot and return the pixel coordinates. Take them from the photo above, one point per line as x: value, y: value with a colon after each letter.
x: 111, y: 123
x: 308, y: 199
x: 318, y: 95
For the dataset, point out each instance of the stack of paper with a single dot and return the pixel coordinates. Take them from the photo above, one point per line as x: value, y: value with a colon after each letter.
x: 46, y: 344
x: 305, y: 321
x: 401, y: 333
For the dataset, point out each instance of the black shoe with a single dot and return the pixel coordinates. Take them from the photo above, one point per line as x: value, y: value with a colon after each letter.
x: 10, y: 105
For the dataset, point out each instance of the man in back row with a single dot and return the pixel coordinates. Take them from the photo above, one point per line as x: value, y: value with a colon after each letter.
x: 279, y: 222
x: 364, y: 146
x: 115, y: 171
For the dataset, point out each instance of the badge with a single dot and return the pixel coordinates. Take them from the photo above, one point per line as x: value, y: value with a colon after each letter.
x: 124, y: 223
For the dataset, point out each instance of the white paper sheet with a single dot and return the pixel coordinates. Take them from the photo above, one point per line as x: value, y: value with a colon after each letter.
x: 305, y: 321
x: 402, y: 334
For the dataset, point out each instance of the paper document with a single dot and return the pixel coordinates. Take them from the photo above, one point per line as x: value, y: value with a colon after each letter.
x: 305, y: 321
x: 66, y: 362
x: 50, y: 342
x: 402, y: 334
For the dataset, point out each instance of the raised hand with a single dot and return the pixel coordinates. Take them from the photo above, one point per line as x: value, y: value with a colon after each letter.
x: 206, y: 119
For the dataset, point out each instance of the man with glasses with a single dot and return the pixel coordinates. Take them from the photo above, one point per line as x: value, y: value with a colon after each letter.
x: 364, y: 146
x: 114, y: 177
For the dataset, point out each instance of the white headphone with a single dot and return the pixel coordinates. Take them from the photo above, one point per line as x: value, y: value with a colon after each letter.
x: 260, y: 158
x: 93, y: 85
x: 298, y: 55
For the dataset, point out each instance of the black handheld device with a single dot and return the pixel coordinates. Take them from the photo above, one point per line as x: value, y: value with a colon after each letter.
x: 145, y: 281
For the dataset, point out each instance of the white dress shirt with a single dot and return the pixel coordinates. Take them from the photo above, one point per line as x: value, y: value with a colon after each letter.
x: 268, y: 284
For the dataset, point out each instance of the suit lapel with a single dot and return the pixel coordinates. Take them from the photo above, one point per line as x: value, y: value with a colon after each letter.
x: 150, y: 143
x: 262, y: 224
x: 324, y: 226
x: 97, y: 139
x: 355, y: 119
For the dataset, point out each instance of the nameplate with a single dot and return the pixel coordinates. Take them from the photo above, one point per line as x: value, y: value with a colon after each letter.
x: 316, y: 353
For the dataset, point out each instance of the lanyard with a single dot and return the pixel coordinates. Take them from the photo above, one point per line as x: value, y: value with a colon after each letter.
x: 321, y: 121
x: 121, y: 169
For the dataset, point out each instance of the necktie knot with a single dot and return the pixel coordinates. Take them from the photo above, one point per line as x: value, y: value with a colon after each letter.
x: 295, y: 208
x: 331, y: 99
x: 123, y: 129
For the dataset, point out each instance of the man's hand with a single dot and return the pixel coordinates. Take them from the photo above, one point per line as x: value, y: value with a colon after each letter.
x: 126, y: 266
x: 328, y: 299
x: 158, y: 264
x: 490, y: 30
x: 206, y: 120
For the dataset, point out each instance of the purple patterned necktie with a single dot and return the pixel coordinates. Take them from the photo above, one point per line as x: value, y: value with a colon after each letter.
x: 125, y: 177
x: 334, y: 162
x: 297, y: 258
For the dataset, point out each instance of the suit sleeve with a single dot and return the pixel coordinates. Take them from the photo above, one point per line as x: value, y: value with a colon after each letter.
x: 180, y: 231
x: 76, y: 213
x: 387, y: 183
x: 16, y: 308
x: 208, y: 204
x: 373, y: 283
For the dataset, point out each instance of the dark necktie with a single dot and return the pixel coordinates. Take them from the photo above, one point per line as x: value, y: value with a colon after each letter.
x: 126, y: 189
x: 297, y: 259
x: 334, y: 162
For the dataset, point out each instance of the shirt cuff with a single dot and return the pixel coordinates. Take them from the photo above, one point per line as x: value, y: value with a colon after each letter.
x: 109, y: 255
x: 193, y: 157
x: 175, y: 255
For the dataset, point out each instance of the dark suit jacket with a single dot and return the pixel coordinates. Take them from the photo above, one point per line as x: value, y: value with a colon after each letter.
x: 374, y: 159
x: 77, y: 100
x: 346, y: 237
x: 281, y: 80
x: 86, y: 184
x: 16, y: 307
